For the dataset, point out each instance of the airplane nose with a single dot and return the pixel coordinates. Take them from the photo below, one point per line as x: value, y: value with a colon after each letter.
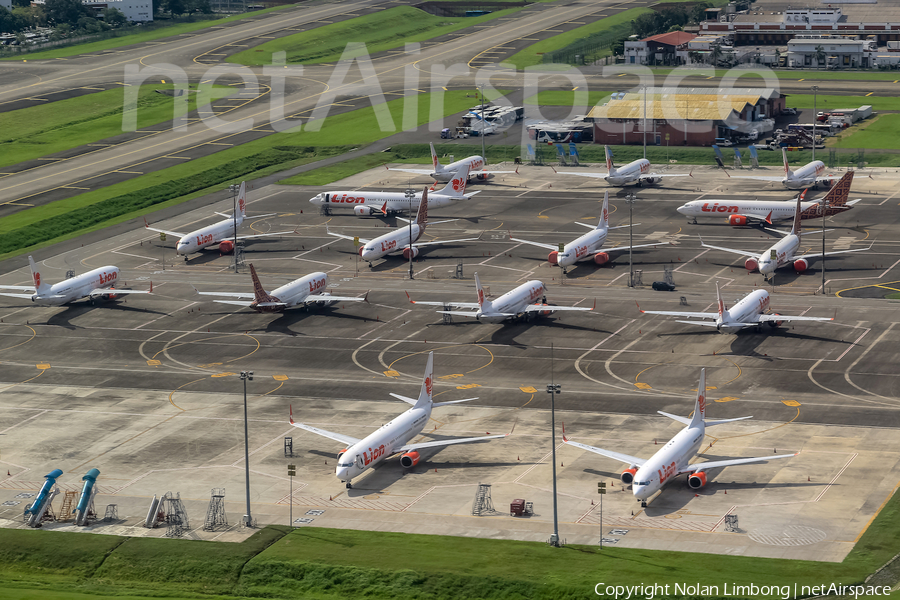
x: 682, y: 209
x: 316, y: 199
x: 367, y: 254
x: 341, y: 473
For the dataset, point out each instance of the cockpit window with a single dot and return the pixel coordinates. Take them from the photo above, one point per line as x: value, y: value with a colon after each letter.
x: 349, y: 464
x: 643, y: 483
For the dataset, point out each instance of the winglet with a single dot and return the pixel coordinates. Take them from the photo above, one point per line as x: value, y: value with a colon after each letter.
x: 551, y: 166
x: 146, y: 224
x: 638, y: 305
x: 366, y: 297
x: 691, y: 173
x: 411, y: 301
x: 594, y: 307
x: 151, y: 287
x: 565, y: 439
x: 517, y: 172
x: 384, y: 209
x: 291, y: 407
x: 195, y: 289
x: 769, y: 218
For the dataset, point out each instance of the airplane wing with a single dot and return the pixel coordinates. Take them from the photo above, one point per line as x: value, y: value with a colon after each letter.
x: 716, y: 324
x: 323, y: 298
x: 655, y: 175
x: 483, y: 172
x: 229, y: 295
x: 594, y: 175
x: 625, y: 458
x: 463, y: 313
x: 759, y: 177
x: 457, y: 304
x: 733, y: 251
x: 439, y: 443
x: 406, y: 170
x: 338, y: 437
x: 768, y: 318
x: 729, y: 463
x: 820, y: 255
x: 234, y: 302
x: 346, y: 237
x: 101, y: 291
x: 675, y: 313
x: 166, y: 231
x: 538, y: 244
x: 250, y: 237
x: 11, y: 295
x: 438, y: 242
x: 545, y: 307
x: 621, y: 248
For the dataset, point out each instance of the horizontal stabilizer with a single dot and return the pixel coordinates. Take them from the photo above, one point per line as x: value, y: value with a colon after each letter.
x: 684, y: 420
x: 720, y: 421
x: 436, y: 404
x: 406, y: 399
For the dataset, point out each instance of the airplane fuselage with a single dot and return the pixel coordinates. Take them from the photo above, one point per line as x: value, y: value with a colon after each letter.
x: 447, y: 172
x: 747, y: 310
x: 512, y: 302
x: 784, y: 254
x: 390, y: 243
x: 78, y: 287
x: 805, y: 176
x: 296, y: 292
x: 207, y: 236
x: 381, y: 443
x: 668, y: 461
x: 762, y: 210
x: 370, y: 203
x: 582, y: 248
x: 630, y: 173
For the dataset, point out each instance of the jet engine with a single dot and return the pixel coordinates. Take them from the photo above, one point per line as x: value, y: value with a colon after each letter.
x: 482, y: 176
x: 363, y: 211
x: 601, y: 258
x: 324, y: 303
x: 361, y: 248
x: 406, y: 252
x: 341, y: 453
x: 800, y: 265
x: 551, y: 258
x: 651, y: 180
x: 628, y: 475
x: 774, y: 324
x: 226, y: 247
x: 737, y: 220
x: 545, y: 313
x: 750, y: 264
x: 697, y: 480
x: 410, y: 459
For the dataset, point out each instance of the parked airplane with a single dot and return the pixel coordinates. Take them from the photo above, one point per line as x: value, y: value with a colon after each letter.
x: 98, y: 283
x: 403, y: 240
x: 783, y: 252
x: 393, y: 438
x: 221, y: 233
x: 647, y: 476
x: 636, y: 172
x: 445, y: 173
x: 305, y: 291
x: 526, y: 301
x: 760, y: 212
x: 586, y: 247
x: 749, y: 311
x: 366, y: 204
x: 804, y: 177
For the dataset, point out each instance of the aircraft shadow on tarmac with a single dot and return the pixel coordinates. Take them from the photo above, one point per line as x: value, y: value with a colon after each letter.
x: 283, y: 322
x: 71, y: 311
x: 746, y: 344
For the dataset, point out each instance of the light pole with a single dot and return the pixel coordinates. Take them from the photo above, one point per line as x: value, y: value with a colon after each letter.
x: 824, y: 214
x: 234, y: 192
x: 815, y: 89
x: 483, y: 125
x: 410, y: 195
x: 629, y: 198
x: 553, y: 389
x: 248, y: 520
x: 645, y: 121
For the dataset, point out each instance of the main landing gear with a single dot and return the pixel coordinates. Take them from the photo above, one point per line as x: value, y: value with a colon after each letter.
x: 349, y: 485
x: 643, y: 504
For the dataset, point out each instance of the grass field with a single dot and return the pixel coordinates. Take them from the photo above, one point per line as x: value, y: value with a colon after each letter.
x: 795, y: 75
x: 532, y: 55
x: 135, y: 38
x: 37, y: 131
x: 64, y: 219
x: 384, y: 30
x: 335, y: 563
x: 883, y: 132
x: 878, y: 103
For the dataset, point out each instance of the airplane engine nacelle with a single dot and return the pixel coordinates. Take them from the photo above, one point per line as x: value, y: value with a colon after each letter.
x: 545, y: 313
x: 482, y: 176
x: 628, y: 475
x: 774, y: 324
x: 737, y: 220
x: 409, y: 460
x: 551, y: 258
x: 325, y: 302
x: 601, y: 258
x: 406, y: 252
x: 801, y: 265
x: 341, y: 453
x: 226, y: 247
x: 697, y: 480
x: 362, y: 211
x: 652, y: 180
x: 361, y: 248
x: 750, y: 264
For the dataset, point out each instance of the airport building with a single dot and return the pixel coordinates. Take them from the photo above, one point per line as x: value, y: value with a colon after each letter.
x: 136, y: 11
x: 682, y: 116
x: 662, y: 49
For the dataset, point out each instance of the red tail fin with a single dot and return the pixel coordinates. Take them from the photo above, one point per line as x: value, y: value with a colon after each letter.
x: 839, y: 192
x: 258, y: 291
x: 423, y: 209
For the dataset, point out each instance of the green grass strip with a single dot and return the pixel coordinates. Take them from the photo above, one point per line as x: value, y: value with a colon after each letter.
x: 37, y: 131
x: 384, y: 30
x: 139, y: 36
x: 787, y: 74
x: 533, y: 54
x: 883, y: 132
x: 826, y: 103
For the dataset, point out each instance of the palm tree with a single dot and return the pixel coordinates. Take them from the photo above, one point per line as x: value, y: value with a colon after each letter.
x: 715, y: 53
x: 820, y: 56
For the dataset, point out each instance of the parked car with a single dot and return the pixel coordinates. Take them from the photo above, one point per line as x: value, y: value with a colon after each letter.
x: 789, y: 111
x: 663, y: 286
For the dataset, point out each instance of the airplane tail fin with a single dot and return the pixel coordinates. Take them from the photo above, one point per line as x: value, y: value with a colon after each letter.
x: 241, y: 203
x: 480, y: 291
x: 40, y: 286
x: 787, y: 168
x: 795, y: 229
x: 720, y: 302
x: 839, y: 192
x: 700, y: 403
x: 258, y: 291
x: 457, y: 185
x: 422, y: 217
x: 604, y: 213
x: 425, y: 394
x: 609, y: 162
x: 434, y: 158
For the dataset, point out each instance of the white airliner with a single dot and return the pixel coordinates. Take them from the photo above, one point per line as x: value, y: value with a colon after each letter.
x: 636, y: 172
x: 804, y: 177
x: 99, y: 283
x: 647, y: 476
x: 749, y: 311
x: 525, y: 301
x: 586, y: 247
x: 445, y: 173
x: 366, y: 204
x: 783, y: 252
x: 760, y: 212
x: 402, y: 240
x: 221, y: 233
x: 306, y: 291
x: 393, y: 438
